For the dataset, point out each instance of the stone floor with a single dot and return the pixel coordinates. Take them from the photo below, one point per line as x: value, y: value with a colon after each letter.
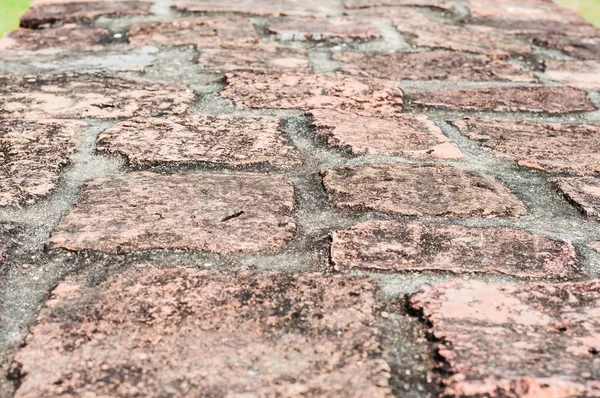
x: 284, y: 198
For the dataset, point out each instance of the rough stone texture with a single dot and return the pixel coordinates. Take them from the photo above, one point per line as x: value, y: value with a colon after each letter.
x: 203, y: 32
x: 66, y: 37
x: 399, y: 246
x: 182, y: 332
x: 508, y: 99
x: 93, y: 96
x: 529, y: 10
x: 587, y: 48
x: 261, y: 58
x: 317, y: 29
x: 333, y: 91
x: 555, y: 147
x: 581, y: 74
x: 537, y: 340
x: 221, y: 213
x: 434, y: 65
x: 581, y: 192
x: 43, y: 12
x: 272, y: 8
x: 419, y: 190
x: 594, y: 245
x: 233, y: 141
x: 440, y: 4
x: 414, y: 136
x: 32, y: 155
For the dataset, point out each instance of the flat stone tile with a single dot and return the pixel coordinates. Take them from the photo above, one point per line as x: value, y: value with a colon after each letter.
x: 32, y: 155
x: 578, y: 46
x: 580, y: 74
x: 220, y: 213
x: 539, y: 340
x: 554, y: 147
x: 412, y: 246
x: 228, y: 140
x: 419, y: 190
x: 298, y: 91
x: 581, y: 192
x: 66, y: 37
x: 89, y: 96
x: 439, y: 4
x: 554, y: 100
x: 266, y: 8
x: 528, y: 10
x: 317, y: 29
x: 203, y: 32
x: 184, y: 332
x: 414, y: 136
x: 433, y: 65
x: 261, y: 58
x: 43, y: 12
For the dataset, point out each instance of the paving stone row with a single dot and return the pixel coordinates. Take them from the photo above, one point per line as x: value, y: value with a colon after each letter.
x: 270, y: 198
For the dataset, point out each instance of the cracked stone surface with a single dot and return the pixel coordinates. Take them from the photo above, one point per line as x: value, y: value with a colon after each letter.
x: 529, y: 10
x: 44, y: 12
x: 582, y: 74
x: 578, y: 46
x: 433, y: 65
x: 292, y: 91
x: 582, y: 192
x: 89, y: 96
x: 188, y: 333
x: 554, y: 147
x: 515, y: 340
x: 439, y: 4
x: 66, y: 37
x: 234, y: 141
x: 32, y: 154
x: 412, y: 246
x: 413, y: 136
x: 555, y: 100
x: 261, y: 58
x: 419, y: 190
x: 203, y: 32
x: 272, y: 8
x: 218, y: 213
x: 317, y: 29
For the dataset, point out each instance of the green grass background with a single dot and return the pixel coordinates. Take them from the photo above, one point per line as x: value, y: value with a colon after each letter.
x: 11, y: 10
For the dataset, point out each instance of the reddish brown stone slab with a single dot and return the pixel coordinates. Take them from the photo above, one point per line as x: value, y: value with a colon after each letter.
x: 440, y: 4
x: 528, y: 10
x: 32, y: 155
x: 575, y: 45
x: 261, y: 58
x: 44, y: 12
x: 269, y: 8
x: 66, y: 37
x: 317, y: 29
x: 581, y: 192
x: 221, y: 213
x: 508, y: 99
x: 538, y: 340
x: 398, y: 246
x: 94, y: 96
x: 419, y: 190
x: 183, y: 332
x: 555, y: 147
x: 434, y: 65
x: 234, y: 141
x: 203, y: 32
x: 296, y: 91
x: 415, y: 136
x: 581, y: 74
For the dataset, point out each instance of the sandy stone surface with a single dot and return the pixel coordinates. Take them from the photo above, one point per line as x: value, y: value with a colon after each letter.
x: 414, y: 136
x: 594, y: 245
x: 229, y: 140
x: 203, y: 32
x: 261, y: 58
x: 554, y: 100
x: 400, y: 246
x: 66, y: 37
x: 581, y: 192
x: 220, y: 213
x: 44, y: 12
x: 419, y: 190
x: 433, y: 65
x: 554, y: 147
x: 332, y: 91
x: 317, y: 29
x: 183, y: 332
x: 581, y: 74
x: 32, y: 155
x: 89, y: 96
x: 440, y: 4
x: 272, y: 8
x: 537, y: 340
x: 578, y: 46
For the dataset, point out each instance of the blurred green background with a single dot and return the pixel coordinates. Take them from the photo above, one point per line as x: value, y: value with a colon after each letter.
x: 11, y: 10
